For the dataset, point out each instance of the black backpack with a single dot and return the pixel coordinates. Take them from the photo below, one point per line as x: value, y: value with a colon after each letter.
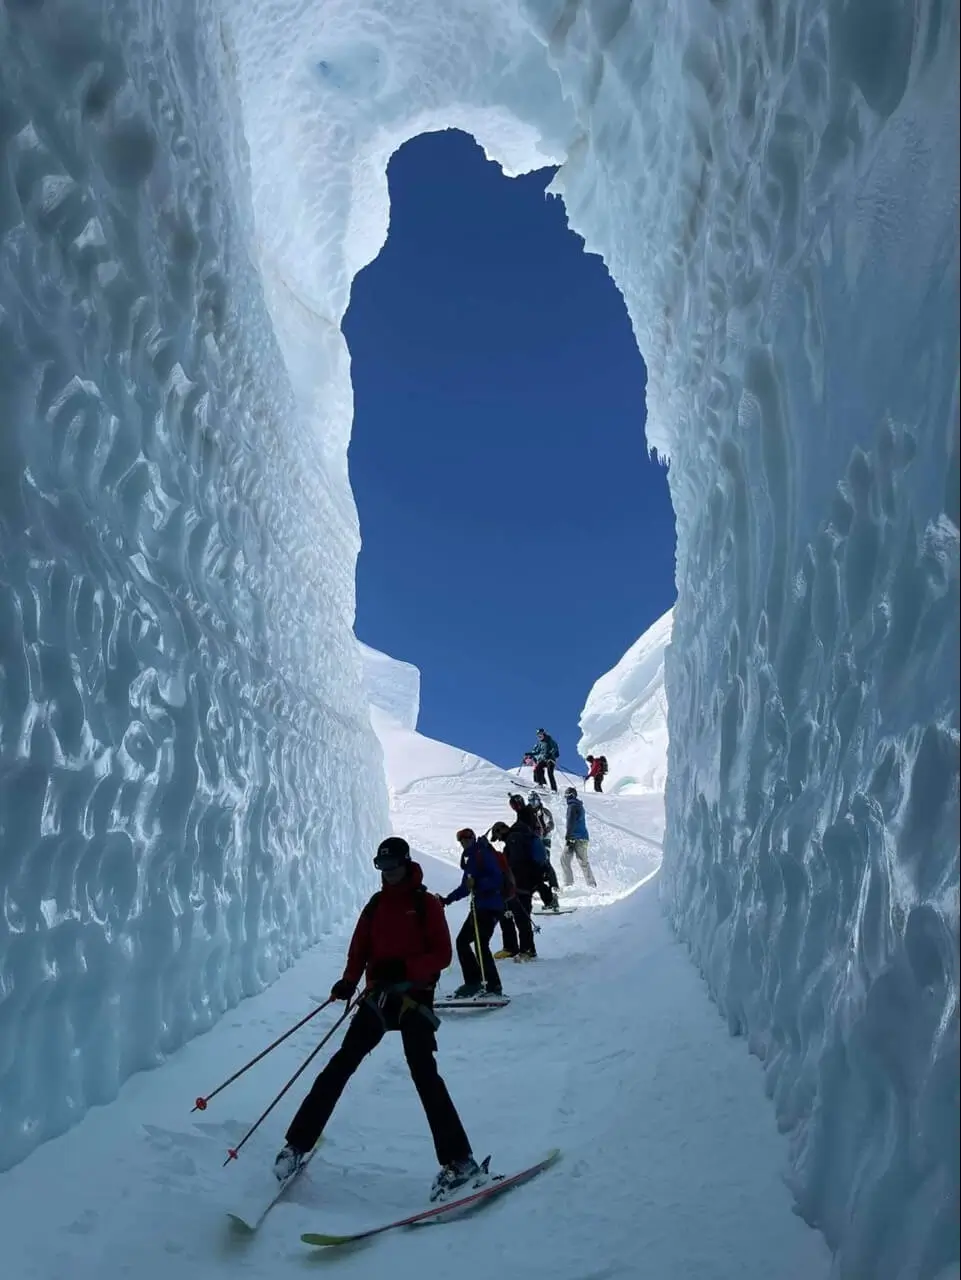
x: 420, y: 906
x: 602, y: 761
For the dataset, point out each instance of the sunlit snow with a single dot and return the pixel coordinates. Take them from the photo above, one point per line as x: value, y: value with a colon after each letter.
x: 625, y: 716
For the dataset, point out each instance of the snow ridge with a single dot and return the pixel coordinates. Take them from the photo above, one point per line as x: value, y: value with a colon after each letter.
x: 625, y: 716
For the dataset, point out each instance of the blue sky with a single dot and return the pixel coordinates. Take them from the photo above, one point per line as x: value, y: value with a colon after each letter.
x: 517, y: 538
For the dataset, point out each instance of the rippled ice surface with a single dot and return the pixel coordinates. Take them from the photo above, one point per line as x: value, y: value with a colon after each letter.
x: 186, y: 193
x: 187, y: 789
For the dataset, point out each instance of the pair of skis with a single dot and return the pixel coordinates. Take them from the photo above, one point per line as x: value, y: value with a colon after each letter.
x: 446, y: 1211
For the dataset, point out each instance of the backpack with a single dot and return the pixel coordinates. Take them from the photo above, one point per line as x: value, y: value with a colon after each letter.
x: 420, y: 906
x: 538, y: 851
x: 547, y: 820
x: 602, y: 761
x: 510, y: 888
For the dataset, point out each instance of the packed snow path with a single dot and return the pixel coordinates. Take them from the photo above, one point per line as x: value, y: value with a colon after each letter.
x: 611, y: 1049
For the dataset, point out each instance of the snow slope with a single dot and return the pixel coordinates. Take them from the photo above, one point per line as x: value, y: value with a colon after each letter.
x: 625, y: 716
x: 436, y: 789
x: 610, y: 1049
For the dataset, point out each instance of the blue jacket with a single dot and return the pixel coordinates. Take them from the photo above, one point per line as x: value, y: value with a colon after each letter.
x: 482, y: 872
x: 576, y: 820
x: 546, y: 750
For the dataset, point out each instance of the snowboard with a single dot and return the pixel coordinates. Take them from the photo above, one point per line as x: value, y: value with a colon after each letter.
x: 563, y: 911
x: 443, y: 1212
x: 250, y: 1222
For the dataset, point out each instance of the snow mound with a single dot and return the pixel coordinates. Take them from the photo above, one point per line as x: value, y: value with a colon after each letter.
x: 392, y: 686
x: 625, y: 716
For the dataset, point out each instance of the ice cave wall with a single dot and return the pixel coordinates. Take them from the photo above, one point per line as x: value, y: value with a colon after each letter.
x: 178, y: 675
x: 773, y: 188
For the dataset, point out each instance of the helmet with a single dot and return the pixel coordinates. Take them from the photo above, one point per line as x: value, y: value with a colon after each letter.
x: 544, y: 731
x: 392, y: 853
x: 514, y: 799
x: 499, y: 831
x: 534, y: 800
x: 570, y: 793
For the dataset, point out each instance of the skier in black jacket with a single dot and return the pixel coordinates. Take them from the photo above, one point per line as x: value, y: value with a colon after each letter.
x: 540, y: 820
x: 516, y: 927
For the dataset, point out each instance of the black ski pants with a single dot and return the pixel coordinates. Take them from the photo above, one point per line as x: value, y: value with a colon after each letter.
x: 598, y: 781
x: 548, y: 886
x: 516, y: 928
x: 365, y: 1032
x: 472, y: 965
x: 539, y: 773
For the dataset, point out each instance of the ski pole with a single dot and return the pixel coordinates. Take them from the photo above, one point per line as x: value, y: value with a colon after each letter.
x: 201, y: 1103
x: 233, y: 1152
x: 477, y: 942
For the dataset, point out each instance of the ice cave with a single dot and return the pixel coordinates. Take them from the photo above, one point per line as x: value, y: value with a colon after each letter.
x: 187, y: 190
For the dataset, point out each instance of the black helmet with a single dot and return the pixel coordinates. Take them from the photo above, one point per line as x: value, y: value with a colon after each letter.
x: 499, y: 831
x: 392, y: 853
x: 514, y: 799
x: 570, y: 793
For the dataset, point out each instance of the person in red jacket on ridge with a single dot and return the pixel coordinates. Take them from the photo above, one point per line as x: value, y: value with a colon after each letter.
x: 402, y: 944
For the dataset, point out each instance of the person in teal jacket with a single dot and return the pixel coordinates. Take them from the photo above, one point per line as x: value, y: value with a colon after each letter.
x: 544, y: 755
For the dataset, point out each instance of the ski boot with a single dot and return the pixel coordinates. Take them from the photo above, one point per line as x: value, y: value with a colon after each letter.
x: 468, y: 991
x: 288, y: 1161
x: 461, y: 1173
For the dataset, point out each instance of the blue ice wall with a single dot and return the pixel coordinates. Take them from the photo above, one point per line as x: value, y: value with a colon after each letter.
x: 812, y: 855
x: 186, y: 788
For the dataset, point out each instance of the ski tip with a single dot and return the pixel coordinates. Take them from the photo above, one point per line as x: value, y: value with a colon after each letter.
x: 241, y: 1224
x: 322, y: 1242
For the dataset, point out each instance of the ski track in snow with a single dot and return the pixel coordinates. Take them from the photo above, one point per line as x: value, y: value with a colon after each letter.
x: 610, y: 1049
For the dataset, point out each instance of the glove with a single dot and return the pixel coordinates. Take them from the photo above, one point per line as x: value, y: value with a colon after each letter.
x: 385, y: 973
x: 342, y: 989
x: 441, y: 899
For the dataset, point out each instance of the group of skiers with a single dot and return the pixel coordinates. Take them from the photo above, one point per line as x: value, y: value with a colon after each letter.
x: 503, y: 885
x: 544, y: 755
x: 401, y: 945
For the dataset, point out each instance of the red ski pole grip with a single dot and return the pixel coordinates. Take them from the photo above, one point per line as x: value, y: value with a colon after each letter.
x: 200, y: 1104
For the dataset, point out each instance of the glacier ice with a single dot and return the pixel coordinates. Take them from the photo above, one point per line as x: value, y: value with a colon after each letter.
x: 189, y: 774
x: 189, y: 782
x: 625, y: 715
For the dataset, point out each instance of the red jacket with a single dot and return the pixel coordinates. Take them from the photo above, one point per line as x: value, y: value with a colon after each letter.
x: 595, y: 769
x: 397, y: 929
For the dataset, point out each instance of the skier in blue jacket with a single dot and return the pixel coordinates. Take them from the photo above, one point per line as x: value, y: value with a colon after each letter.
x: 576, y: 840
x: 544, y: 754
x: 483, y: 878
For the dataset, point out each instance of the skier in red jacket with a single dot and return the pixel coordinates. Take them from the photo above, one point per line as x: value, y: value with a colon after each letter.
x: 402, y: 944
